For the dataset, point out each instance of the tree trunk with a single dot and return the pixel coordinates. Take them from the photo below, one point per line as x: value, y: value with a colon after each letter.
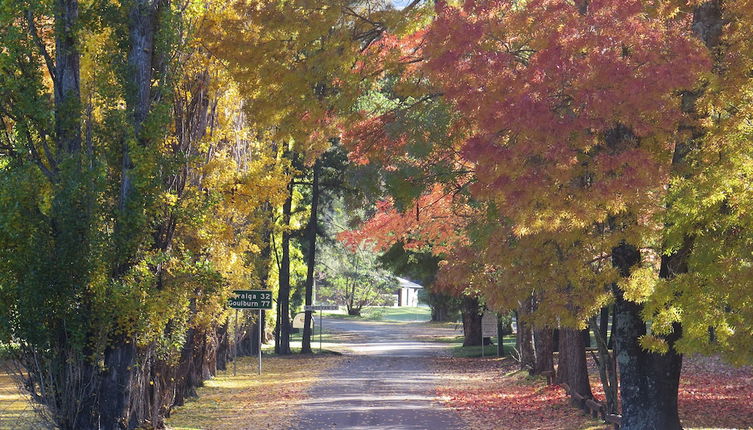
x: 606, y: 363
x: 116, y: 387
x: 282, y: 340
x: 440, y: 306
x: 440, y: 312
x: 223, y: 346
x: 612, y: 330
x: 572, y: 368
x: 502, y: 329
x: 603, y: 323
x: 67, y: 77
x: 524, y: 339
x: 648, y: 382
x: 471, y: 321
x: 313, y: 220
x: 117, y: 381
x: 543, y: 340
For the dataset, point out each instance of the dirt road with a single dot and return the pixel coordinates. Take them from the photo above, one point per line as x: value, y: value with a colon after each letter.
x: 385, y: 383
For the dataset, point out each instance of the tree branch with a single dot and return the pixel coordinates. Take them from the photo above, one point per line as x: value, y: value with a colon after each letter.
x: 40, y: 45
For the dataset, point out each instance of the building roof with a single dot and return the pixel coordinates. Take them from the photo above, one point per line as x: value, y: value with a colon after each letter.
x: 404, y: 283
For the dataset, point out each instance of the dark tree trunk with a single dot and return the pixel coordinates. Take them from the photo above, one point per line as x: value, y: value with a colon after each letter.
x: 311, y: 259
x: 471, y: 321
x: 248, y: 333
x: 607, y: 365
x: 282, y: 338
x: 544, y: 343
x: 502, y: 330
x: 262, y: 268
x: 648, y: 382
x: 603, y: 322
x: 586, y: 338
x: 117, y: 383
x: 67, y: 78
x: 184, y: 374
x: 442, y: 306
x: 255, y: 328
x: 572, y: 368
x: 440, y: 312
x: 524, y: 339
x: 612, y: 330
x: 223, y: 347
x: 116, y: 387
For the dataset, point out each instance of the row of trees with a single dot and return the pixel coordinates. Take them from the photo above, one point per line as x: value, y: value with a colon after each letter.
x: 557, y: 157
x: 573, y: 161
x: 135, y: 197
x: 154, y: 157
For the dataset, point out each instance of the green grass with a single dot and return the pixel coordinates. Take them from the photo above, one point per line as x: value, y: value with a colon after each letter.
x: 475, y: 351
x: 295, y: 342
x: 389, y: 314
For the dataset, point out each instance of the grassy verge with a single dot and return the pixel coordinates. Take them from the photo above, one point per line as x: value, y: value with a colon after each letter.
x: 390, y: 314
x: 295, y: 342
x: 252, y: 401
x: 461, y: 351
x: 16, y: 409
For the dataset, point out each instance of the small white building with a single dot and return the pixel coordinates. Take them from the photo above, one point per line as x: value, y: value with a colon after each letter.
x: 407, y: 293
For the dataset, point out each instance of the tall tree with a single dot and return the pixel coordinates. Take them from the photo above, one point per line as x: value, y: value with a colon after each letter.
x: 283, y: 326
x: 311, y: 256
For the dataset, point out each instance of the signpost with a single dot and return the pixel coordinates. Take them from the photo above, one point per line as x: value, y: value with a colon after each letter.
x: 311, y: 308
x: 488, y: 328
x: 249, y: 299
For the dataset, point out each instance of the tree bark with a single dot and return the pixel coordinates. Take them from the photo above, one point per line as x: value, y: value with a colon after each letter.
x: 117, y: 382
x: 649, y: 382
x: 524, y: 339
x: 116, y: 387
x: 471, y: 321
x: 311, y: 260
x: 607, y: 364
x: 282, y: 339
x: 572, y: 368
x: 543, y: 340
x: 223, y: 346
x: 67, y: 78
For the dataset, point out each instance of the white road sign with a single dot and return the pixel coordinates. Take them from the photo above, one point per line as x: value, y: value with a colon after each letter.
x: 489, y: 324
x: 321, y: 308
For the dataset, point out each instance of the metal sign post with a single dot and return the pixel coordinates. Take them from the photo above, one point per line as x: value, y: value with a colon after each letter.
x: 235, y: 344
x: 258, y: 324
x: 482, y: 343
x: 320, y: 308
x: 249, y: 299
